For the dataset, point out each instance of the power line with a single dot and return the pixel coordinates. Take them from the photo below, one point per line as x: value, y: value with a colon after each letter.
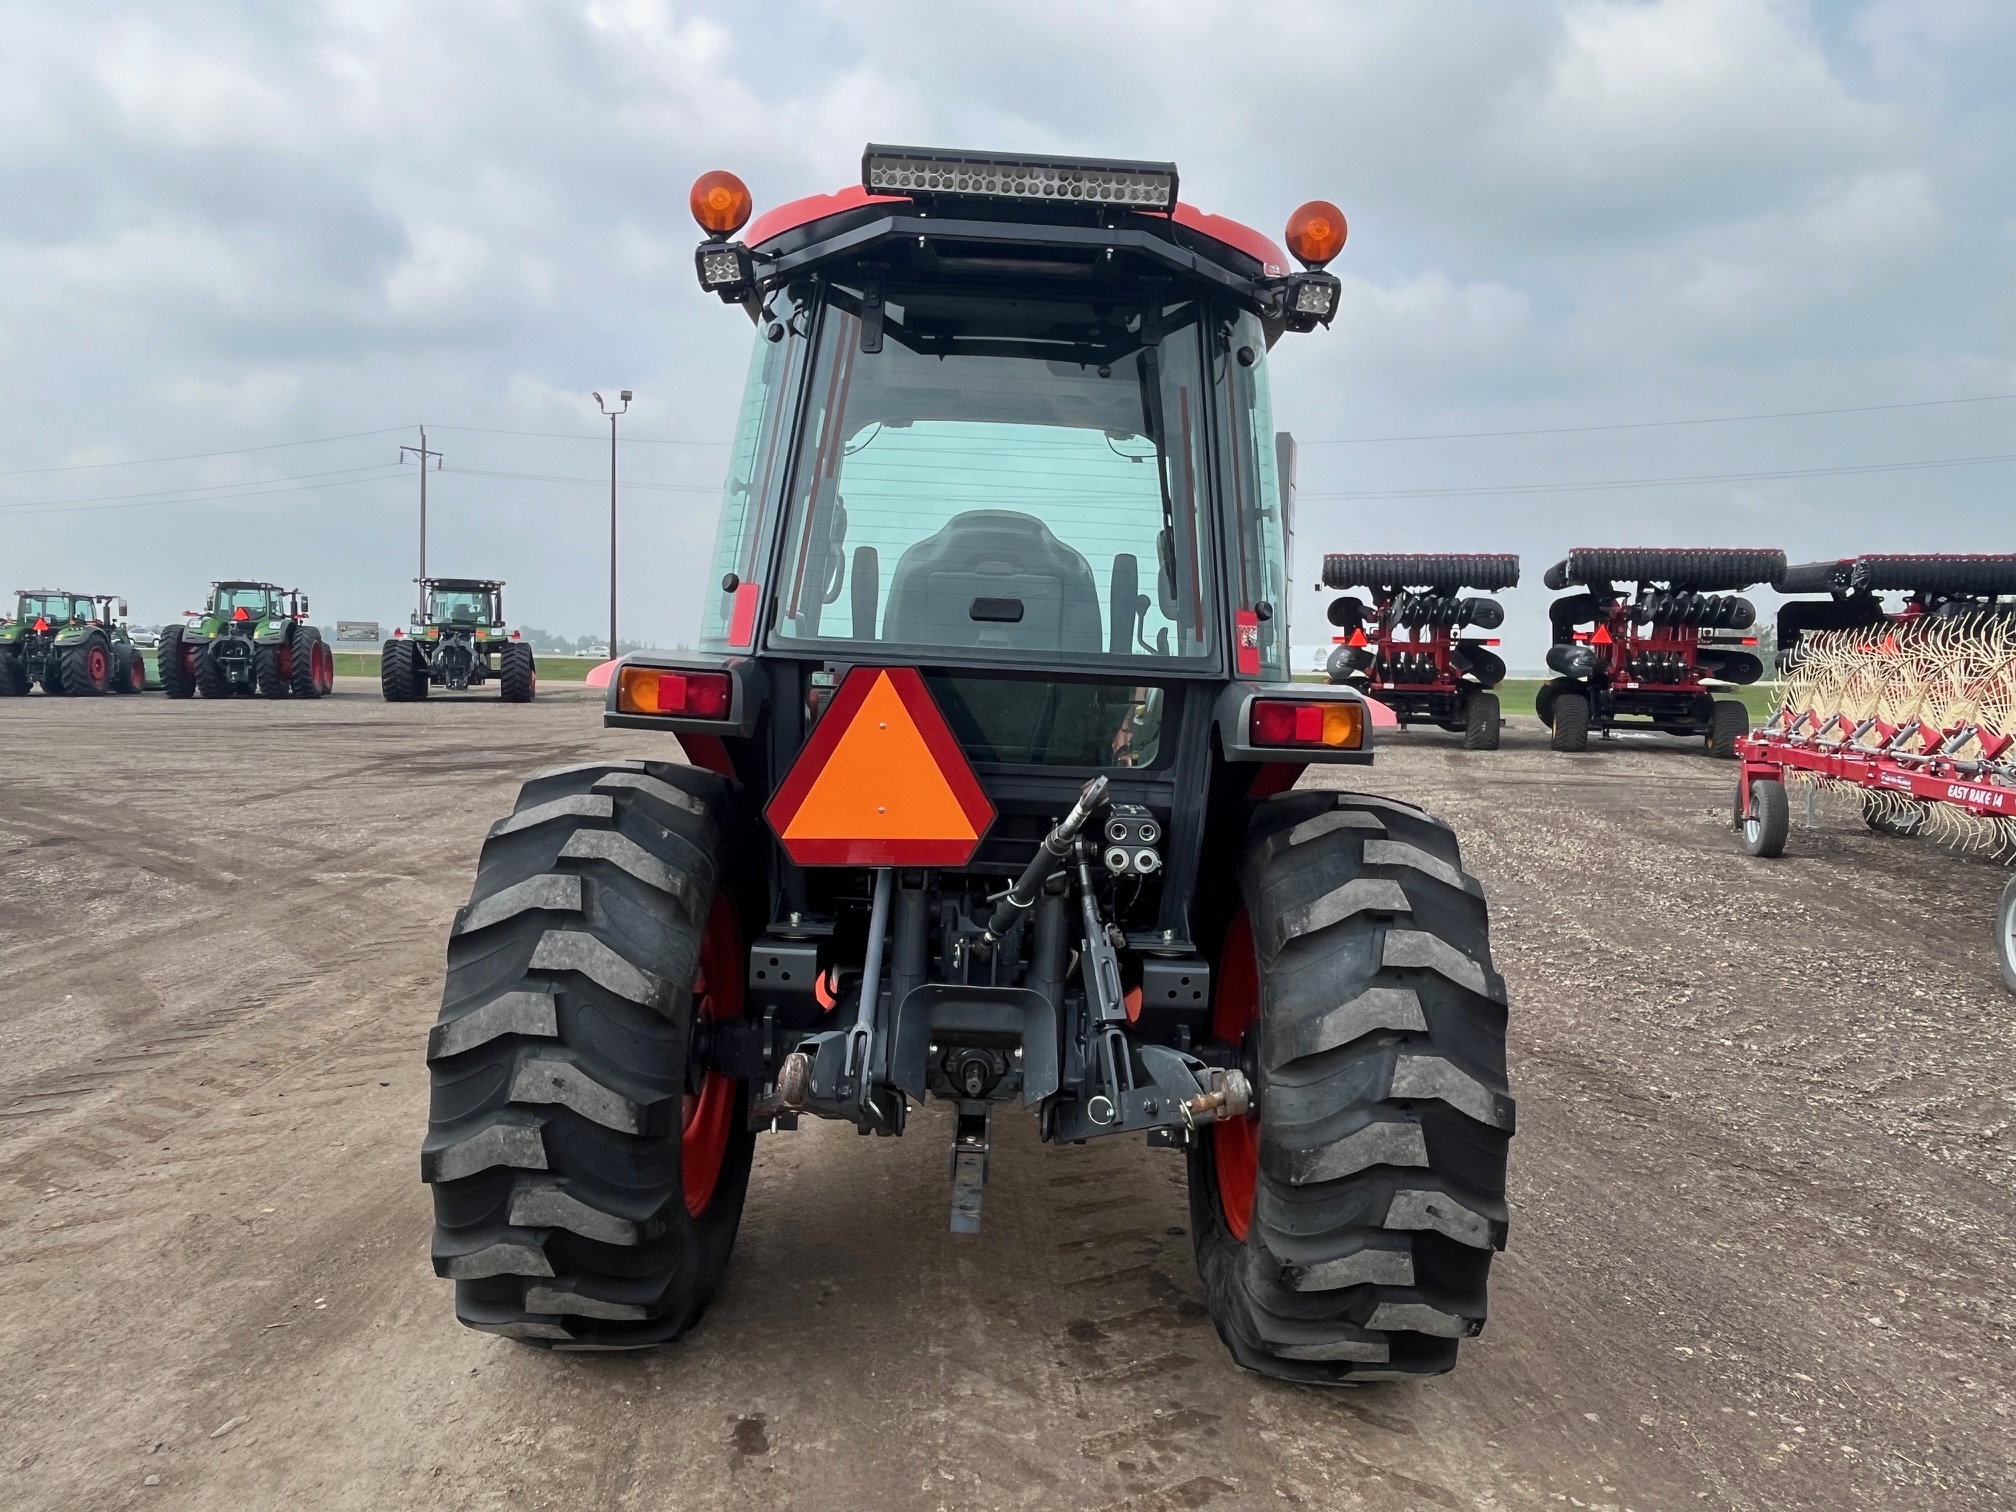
x: 478, y: 430
x: 239, y: 451
x: 1574, y: 430
x: 196, y: 488
x: 1604, y: 485
x: 74, y: 507
x: 484, y: 472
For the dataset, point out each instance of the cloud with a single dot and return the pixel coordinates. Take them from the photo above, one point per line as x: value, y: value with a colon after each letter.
x: 231, y: 225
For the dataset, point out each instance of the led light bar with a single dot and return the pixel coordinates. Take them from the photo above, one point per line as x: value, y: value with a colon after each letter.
x: 926, y: 171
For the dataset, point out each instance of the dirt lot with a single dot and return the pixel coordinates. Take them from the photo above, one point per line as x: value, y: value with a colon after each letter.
x: 1762, y: 1247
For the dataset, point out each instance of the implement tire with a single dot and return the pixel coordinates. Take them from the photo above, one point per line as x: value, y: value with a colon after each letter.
x: 1347, y: 1232
x: 175, y: 664
x: 1481, y: 722
x: 588, y: 1177
x: 87, y: 666
x: 1768, y: 825
x: 1728, y: 722
x: 1570, y: 722
x: 518, y: 675
x: 2005, y: 935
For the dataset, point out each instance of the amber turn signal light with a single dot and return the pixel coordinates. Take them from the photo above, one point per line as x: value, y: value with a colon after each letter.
x: 1335, y: 726
x: 1316, y: 233
x: 721, y: 203
x: 690, y: 695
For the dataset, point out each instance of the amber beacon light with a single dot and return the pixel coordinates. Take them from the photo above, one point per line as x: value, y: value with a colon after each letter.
x: 721, y: 203
x: 1315, y: 233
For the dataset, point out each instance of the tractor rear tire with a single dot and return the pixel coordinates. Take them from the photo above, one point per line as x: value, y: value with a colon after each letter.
x: 302, y: 652
x: 1728, y: 722
x: 325, y: 669
x: 268, y: 673
x: 1571, y: 722
x: 174, y: 664
x: 1481, y: 722
x: 517, y: 675
x: 396, y: 674
x: 87, y: 667
x: 588, y: 1176
x: 1769, y: 822
x: 210, y: 679
x: 13, y: 675
x: 1347, y: 1231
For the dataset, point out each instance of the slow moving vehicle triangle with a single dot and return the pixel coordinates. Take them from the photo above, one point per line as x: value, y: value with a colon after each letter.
x: 882, y: 781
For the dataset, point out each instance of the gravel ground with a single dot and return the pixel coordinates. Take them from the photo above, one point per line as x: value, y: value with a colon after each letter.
x: 1761, y: 1253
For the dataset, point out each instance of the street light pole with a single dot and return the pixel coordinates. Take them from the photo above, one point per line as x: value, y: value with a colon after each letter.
x: 612, y: 414
x: 421, y: 454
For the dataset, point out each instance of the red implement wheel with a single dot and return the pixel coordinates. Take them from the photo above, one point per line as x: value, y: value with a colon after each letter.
x: 1235, y: 1143
x: 707, y: 1111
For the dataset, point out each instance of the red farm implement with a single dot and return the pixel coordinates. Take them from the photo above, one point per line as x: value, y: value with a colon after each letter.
x: 1653, y: 657
x: 1412, y: 647
x: 1911, y: 710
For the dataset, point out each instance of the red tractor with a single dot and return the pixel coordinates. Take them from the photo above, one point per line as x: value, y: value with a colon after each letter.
x: 1654, y: 658
x: 1408, y: 647
x: 989, y: 802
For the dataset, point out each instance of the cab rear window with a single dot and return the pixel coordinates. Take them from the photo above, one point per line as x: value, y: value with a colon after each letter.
x: 1029, y: 723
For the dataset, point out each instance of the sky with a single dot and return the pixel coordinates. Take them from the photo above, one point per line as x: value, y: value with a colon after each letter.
x: 286, y: 236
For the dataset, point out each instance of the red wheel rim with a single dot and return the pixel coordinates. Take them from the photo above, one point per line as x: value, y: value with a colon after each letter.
x: 138, y: 675
x: 707, y: 1118
x: 97, y: 666
x: 1235, y: 1144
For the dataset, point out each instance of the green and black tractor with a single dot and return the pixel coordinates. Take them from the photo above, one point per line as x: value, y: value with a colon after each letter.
x: 69, y: 643
x: 458, y: 642
x: 997, y: 797
x: 248, y: 638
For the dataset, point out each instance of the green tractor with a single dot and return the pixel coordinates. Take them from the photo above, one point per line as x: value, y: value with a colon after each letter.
x: 69, y: 643
x: 459, y: 642
x: 248, y: 638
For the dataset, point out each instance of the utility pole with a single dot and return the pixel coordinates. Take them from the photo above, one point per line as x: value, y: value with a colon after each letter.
x: 612, y: 414
x: 421, y: 454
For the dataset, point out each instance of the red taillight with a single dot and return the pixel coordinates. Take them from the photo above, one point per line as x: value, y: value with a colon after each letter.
x: 690, y: 695
x: 1279, y: 722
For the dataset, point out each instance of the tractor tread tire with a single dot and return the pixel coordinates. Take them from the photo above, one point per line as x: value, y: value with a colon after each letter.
x: 177, y: 681
x: 129, y: 669
x: 210, y: 679
x: 1384, y: 1113
x: 268, y: 678
x: 396, y: 674
x: 13, y: 675
x: 1571, y: 722
x: 1482, y: 722
x: 1729, y: 570
x: 1728, y: 722
x: 518, y: 675
x: 559, y: 1061
x: 76, y: 659
x: 301, y: 654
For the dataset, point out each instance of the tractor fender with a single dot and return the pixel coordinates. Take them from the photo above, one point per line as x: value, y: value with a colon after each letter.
x: 271, y: 632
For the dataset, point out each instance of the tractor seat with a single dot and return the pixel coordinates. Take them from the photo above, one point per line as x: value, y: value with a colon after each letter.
x: 999, y: 556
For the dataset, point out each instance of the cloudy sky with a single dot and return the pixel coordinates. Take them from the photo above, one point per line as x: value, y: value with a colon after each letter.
x: 232, y: 228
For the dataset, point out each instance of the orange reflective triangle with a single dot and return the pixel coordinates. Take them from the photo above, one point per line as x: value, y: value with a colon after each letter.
x: 1357, y: 637
x: 882, y: 781
x: 1602, y: 636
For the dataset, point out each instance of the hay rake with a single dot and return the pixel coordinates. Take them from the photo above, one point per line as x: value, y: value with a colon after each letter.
x: 1913, y: 718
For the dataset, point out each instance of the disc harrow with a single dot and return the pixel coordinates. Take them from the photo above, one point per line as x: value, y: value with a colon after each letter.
x: 1653, y: 656
x: 1413, y: 647
x: 1935, y: 587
